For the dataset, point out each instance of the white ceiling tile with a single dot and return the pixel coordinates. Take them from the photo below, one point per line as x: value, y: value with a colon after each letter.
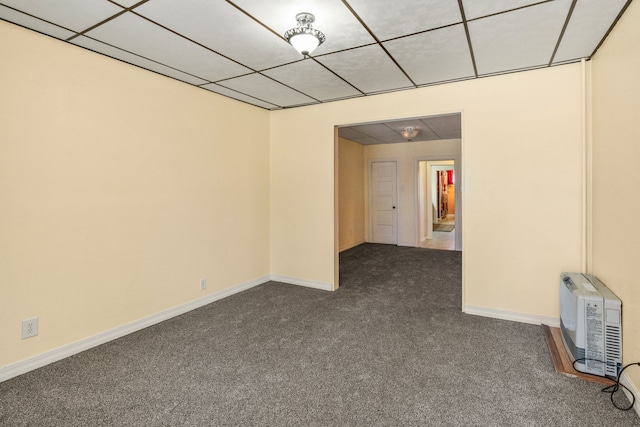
x: 261, y: 87
x: 203, y: 41
x: 449, y: 134
x: 143, y: 38
x: 378, y: 130
x: 36, y: 24
x: 126, y: 3
x: 444, y: 123
x: 342, y: 29
x: 394, y: 19
x: 368, y: 68
x: 349, y: 133
x: 589, y: 23
x: 313, y: 79
x: 520, y: 39
x: 434, y: 56
x: 425, y: 134
x: 240, y: 97
x: 122, y: 55
x: 76, y: 15
x: 475, y: 8
x: 223, y: 28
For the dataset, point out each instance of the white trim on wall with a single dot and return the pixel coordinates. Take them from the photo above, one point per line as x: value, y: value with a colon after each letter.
x: 626, y: 381
x: 302, y: 282
x: 513, y: 316
x: 351, y: 245
x: 68, y: 350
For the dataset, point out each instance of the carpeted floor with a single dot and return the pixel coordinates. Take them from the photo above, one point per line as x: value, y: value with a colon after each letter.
x: 390, y: 348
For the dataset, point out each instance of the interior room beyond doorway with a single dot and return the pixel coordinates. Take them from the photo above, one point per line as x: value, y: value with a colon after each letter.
x: 437, y: 204
x: 360, y: 147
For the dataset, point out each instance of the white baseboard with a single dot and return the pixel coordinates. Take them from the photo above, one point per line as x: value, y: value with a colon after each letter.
x: 512, y: 315
x: 624, y: 379
x: 60, y: 353
x: 302, y: 282
x: 351, y: 245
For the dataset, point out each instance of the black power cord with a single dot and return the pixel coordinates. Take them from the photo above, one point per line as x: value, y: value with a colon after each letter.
x: 614, y: 388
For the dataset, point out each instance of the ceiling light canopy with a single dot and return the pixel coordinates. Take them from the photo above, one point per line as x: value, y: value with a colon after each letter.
x: 304, y: 38
x: 409, y: 132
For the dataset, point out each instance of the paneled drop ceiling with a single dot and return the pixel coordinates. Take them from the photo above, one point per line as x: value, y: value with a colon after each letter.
x: 236, y: 48
x: 432, y: 128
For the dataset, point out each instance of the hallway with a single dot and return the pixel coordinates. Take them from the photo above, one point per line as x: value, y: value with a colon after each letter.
x: 442, y: 240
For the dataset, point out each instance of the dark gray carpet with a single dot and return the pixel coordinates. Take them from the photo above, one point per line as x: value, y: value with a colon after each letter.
x: 390, y: 348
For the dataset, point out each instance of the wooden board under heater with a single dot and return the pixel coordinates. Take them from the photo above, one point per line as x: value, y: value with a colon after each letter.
x: 561, y: 360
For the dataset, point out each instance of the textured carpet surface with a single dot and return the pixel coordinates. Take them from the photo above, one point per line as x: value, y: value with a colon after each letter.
x: 390, y: 348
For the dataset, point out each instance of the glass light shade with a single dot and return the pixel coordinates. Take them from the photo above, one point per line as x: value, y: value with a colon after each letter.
x: 304, y: 43
x: 304, y: 38
x: 409, y: 133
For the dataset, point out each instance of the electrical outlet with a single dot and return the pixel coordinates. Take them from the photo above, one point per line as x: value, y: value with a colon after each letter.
x: 30, y: 327
x: 203, y: 284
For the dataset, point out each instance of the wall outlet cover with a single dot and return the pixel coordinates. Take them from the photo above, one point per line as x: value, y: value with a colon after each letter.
x: 29, y: 327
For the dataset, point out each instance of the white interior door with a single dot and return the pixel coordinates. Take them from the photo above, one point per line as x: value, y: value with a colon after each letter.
x: 384, y: 199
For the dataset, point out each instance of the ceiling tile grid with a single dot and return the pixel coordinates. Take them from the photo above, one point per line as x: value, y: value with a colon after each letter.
x: 474, y: 9
x: 589, y: 22
x: 432, y: 128
x: 34, y: 23
x: 236, y: 47
x: 313, y: 79
x: 332, y: 17
x: 75, y: 15
x: 434, y: 56
x: 140, y: 61
x: 520, y: 39
x: 402, y: 18
x: 138, y: 35
x: 195, y: 19
x: 370, y: 69
x: 268, y: 90
x: 221, y: 90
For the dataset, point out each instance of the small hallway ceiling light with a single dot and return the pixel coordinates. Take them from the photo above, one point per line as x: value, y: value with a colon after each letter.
x: 409, y: 132
x: 304, y: 38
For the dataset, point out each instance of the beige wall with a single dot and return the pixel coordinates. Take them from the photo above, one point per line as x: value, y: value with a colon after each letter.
x: 406, y: 155
x: 120, y: 189
x: 351, y: 194
x: 616, y: 181
x: 525, y: 125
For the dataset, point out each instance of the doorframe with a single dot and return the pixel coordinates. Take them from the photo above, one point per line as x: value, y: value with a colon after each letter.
x: 457, y: 167
x: 367, y: 205
x: 460, y: 181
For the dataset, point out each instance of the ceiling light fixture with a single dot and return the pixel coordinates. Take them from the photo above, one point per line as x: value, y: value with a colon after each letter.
x: 304, y: 38
x: 409, y: 132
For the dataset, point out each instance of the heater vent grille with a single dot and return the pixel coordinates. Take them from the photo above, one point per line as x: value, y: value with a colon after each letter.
x: 612, y: 344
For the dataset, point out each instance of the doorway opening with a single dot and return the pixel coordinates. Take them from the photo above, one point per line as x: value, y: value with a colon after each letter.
x: 363, y: 150
x: 439, y: 214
